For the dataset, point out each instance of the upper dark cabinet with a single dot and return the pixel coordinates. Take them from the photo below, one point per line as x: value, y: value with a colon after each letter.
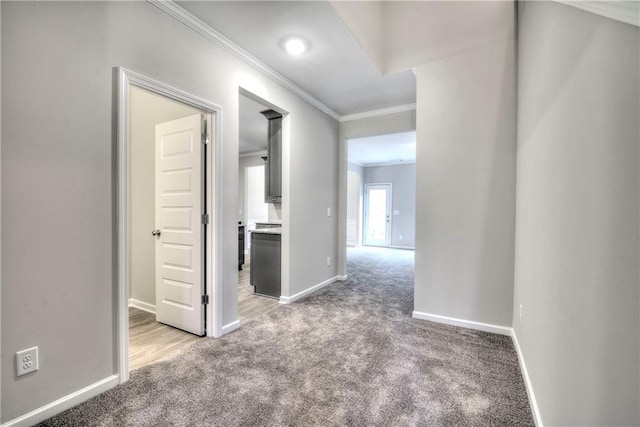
x: 273, y: 165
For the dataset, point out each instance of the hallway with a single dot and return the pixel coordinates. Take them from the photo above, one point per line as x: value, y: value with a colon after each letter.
x: 348, y: 355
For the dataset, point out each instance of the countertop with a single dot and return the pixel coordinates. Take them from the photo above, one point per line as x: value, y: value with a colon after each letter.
x: 274, y: 230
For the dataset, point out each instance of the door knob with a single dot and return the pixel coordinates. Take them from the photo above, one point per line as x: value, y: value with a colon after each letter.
x: 156, y: 233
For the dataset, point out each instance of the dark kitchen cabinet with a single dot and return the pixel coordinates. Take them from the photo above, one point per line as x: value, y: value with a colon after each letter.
x: 273, y: 165
x: 265, y: 264
x: 240, y: 246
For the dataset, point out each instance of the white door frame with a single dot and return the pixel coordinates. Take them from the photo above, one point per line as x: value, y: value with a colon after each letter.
x: 365, y: 212
x: 125, y: 79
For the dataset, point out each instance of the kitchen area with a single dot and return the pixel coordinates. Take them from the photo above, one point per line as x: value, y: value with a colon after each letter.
x: 259, y: 213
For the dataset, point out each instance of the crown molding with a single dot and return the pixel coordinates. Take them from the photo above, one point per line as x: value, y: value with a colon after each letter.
x: 376, y: 113
x: 186, y: 18
x: 623, y: 11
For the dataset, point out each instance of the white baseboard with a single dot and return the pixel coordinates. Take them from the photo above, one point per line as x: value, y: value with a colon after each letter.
x: 342, y: 278
x: 141, y: 305
x: 314, y: 288
x: 230, y: 327
x: 486, y: 327
x: 69, y: 401
x: 496, y: 329
x: 537, y: 418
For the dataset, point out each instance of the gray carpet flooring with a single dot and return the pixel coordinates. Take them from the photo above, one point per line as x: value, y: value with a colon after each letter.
x: 349, y: 355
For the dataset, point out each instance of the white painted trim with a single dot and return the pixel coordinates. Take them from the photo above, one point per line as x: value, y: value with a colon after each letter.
x: 623, y: 11
x: 141, y: 305
x: 393, y: 163
x: 535, y: 410
x: 486, y: 327
x: 308, y: 291
x: 220, y: 40
x: 124, y: 79
x: 342, y: 278
x: 230, y: 327
x: 409, y: 248
x: 64, y: 403
x: 122, y: 100
x: 376, y: 113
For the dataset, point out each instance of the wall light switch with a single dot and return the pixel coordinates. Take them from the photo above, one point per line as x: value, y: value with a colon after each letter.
x: 396, y: 212
x: 328, y: 211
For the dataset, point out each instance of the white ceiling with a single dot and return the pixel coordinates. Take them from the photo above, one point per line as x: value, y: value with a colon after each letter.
x: 384, y: 149
x: 400, y: 35
x: 335, y: 70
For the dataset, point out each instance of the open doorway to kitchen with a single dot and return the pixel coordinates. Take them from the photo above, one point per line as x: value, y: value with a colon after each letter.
x: 259, y: 214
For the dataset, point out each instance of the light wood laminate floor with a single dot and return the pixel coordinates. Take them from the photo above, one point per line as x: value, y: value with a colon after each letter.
x: 251, y: 306
x: 150, y: 341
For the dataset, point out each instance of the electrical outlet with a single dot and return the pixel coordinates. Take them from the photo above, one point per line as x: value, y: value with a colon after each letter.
x: 328, y: 261
x: 521, y: 312
x: 27, y: 361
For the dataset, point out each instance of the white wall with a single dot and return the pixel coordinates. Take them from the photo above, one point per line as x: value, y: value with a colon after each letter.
x: 403, y: 199
x: 577, y: 214
x: 372, y: 126
x: 465, y: 203
x: 244, y: 163
x: 146, y: 110
x: 58, y: 213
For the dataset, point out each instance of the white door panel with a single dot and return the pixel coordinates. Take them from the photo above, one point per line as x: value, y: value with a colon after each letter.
x: 179, y: 204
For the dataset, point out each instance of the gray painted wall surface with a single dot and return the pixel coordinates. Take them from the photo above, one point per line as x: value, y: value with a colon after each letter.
x: 466, y: 142
x: 403, y: 189
x: 373, y: 126
x: 146, y: 110
x: 577, y: 214
x: 59, y: 280
x: 354, y: 203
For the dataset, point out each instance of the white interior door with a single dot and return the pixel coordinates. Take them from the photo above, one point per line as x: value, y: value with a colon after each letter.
x: 179, y: 230
x: 377, y: 214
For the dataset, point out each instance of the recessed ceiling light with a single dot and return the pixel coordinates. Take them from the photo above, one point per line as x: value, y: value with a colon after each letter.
x: 295, y: 46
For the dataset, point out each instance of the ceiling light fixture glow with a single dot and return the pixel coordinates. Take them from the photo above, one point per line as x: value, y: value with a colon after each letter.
x: 295, y: 46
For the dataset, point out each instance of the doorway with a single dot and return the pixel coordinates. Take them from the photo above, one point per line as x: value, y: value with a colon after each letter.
x: 168, y: 229
x: 167, y: 237
x: 255, y: 211
x: 377, y: 215
x: 380, y: 190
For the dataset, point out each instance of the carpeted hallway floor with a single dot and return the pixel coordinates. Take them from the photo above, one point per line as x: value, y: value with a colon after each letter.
x: 348, y: 355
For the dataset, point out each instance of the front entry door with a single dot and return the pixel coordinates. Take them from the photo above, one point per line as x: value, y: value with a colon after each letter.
x: 377, y: 214
x: 179, y: 231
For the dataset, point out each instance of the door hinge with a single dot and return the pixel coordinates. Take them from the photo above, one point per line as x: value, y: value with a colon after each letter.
x: 205, y: 138
x: 205, y: 218
x: 205, y: 299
